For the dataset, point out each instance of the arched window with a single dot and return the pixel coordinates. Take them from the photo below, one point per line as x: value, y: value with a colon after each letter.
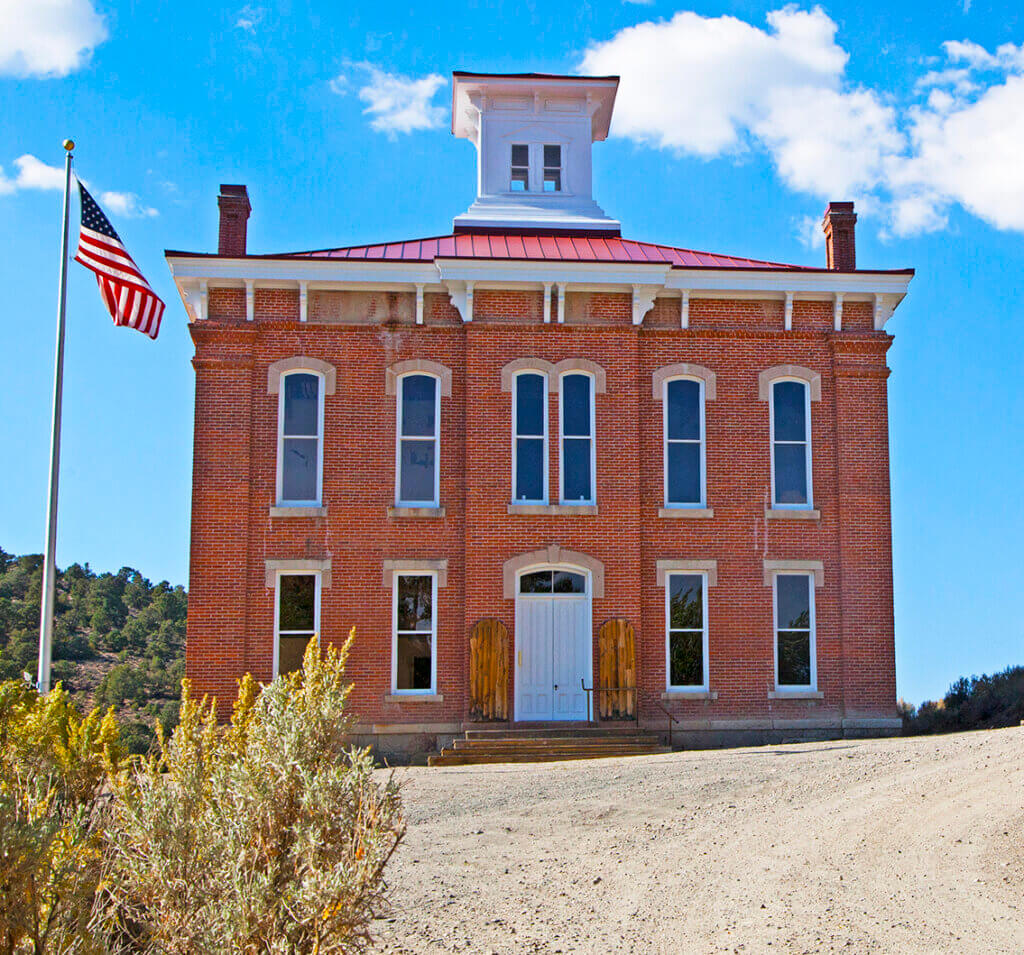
x: 417, y: 452
x: 576, y: 456
x: 684, y: 442
x: 300, y: 424
x: 530, y: 438
x: 790, y: 417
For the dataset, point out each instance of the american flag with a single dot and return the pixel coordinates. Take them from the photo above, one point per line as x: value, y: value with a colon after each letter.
x: 127, y: 295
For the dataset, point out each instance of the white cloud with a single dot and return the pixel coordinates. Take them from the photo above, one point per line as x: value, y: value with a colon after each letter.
x: 396, y: 103
x: 127, y: 205
x: 32, y: 173
x: 46, y: 38
x: 249, y: 17
x: 696, y: 84
x: 717, y: 86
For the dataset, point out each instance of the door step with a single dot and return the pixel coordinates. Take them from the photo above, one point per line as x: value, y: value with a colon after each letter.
x: 536, y: 746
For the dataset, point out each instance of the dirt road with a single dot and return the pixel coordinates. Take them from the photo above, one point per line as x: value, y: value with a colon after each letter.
x: 903, y: 845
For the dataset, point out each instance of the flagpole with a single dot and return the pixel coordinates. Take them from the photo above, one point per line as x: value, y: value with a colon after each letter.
x: 49, y: 561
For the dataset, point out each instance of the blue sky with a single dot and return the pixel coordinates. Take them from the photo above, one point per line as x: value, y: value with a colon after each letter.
x: 736, y: 122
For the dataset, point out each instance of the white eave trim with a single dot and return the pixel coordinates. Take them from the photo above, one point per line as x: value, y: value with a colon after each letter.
x: 347, y: 271
x: 885, y: 289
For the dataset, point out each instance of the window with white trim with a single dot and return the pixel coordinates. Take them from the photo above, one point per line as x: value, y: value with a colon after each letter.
x: 413, y: 650
x: 296, y: 618
x: 686, y: 631
x: 530, y: 438
x: 790, y: 414
x: 576, y: 450
x: 300, y: 418
x: 419, y: 439
x: 519, y: 180
x: 684, y: 442
x: 552, y: 168
x: 795, y: 664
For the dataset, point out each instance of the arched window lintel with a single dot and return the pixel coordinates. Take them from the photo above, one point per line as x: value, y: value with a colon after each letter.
x: 423, y: 365
x: 793, y: 372
x: 299, y: 363
x: 683, y: 370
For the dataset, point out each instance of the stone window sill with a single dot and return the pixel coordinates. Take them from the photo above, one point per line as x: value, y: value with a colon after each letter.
x: 579, y: 509
x: 794, y: 514
x: 414, y: 698
x: 300, y: 511
x: 672, y: 696
x: 796, y: 695
x: 416, y: 512
x: 684, y: 512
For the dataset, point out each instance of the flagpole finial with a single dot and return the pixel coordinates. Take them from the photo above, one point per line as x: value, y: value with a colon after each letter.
x: 69, y: 144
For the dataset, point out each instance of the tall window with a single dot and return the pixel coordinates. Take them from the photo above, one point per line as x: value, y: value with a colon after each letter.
x: 684, y: 443
x: 686, y: 650
x: 791, y: 444
x: 419, y: 424
x: 552, y: 168
x: 795, y: 665
x: 413, y: 656
x: 520, y: 178
x: 297, y: 619
x: 530, y: 439
x: 577, y: 451
x: 300, y: 424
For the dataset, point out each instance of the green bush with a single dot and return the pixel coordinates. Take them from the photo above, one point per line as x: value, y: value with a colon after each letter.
x: 977, y: 702
x: 266, y: 836
x: 53, y: 769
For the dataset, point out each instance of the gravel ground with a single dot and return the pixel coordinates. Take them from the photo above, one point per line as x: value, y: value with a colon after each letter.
x: 899, y: 845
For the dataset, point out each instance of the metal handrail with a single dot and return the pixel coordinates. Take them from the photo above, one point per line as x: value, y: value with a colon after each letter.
x: 671, y: 720
x: 610, y: 689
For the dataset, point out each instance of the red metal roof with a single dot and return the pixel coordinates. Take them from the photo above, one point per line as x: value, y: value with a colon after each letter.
x: 541, y: 248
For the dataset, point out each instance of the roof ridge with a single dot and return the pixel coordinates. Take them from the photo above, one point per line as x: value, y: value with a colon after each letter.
x: 602, y: 248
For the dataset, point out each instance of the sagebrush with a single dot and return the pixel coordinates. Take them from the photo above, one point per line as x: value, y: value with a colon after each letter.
x: 269, y: 834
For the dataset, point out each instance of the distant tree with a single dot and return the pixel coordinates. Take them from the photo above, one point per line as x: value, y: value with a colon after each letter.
x: 101, y: 621
x: 977, y: 702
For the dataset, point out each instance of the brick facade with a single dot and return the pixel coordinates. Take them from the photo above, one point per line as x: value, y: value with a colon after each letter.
x: 231, y: 613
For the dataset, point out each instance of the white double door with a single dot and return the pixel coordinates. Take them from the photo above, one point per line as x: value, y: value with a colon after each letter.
x: 553, y: 657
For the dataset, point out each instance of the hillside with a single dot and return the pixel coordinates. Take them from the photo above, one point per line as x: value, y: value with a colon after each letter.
x: 119, y: 639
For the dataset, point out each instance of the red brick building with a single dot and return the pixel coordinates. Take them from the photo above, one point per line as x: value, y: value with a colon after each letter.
x: 536, y: 423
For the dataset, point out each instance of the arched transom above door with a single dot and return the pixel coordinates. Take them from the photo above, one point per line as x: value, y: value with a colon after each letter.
x: 552, y: 555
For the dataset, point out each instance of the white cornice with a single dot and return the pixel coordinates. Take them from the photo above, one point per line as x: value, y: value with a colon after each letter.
x: 194, y: 274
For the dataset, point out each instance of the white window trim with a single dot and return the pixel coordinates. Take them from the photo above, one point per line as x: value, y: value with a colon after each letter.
x: 515, y: 436
x: 321, y: 393
x: 794, y: 688
x: 690, y: 505
x: 808, y: 460
x: 561, y: 438
x: 318, y: 586
x: 399, y: 387
x: 432, y: 574
x: 535, y: 169
x: 683, y: 688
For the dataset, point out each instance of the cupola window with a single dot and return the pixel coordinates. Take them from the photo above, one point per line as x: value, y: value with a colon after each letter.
x: 552, y: 168
x: 520, y: 168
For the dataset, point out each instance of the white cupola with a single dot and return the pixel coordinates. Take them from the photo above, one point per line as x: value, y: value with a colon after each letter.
x: 533, y: 134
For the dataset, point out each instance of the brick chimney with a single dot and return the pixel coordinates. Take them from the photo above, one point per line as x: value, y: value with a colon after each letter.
x: 233, y: 203
x: 839, y: 224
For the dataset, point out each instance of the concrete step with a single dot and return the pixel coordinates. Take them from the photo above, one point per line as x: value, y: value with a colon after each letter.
x: 554, y: 742
x: 576, y: 730
x: 450, y: 758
